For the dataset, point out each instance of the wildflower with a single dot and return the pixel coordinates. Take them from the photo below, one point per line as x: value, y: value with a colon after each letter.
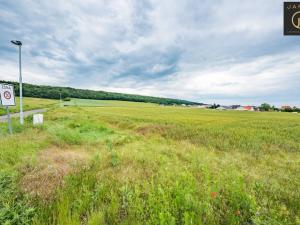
x: 213, y: 194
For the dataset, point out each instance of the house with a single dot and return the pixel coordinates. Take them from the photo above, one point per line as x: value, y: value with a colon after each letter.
x: 205, y: 106
x: 240, y: 108
x: 256, y: 108
x: 235, y: 106
x: 227, y: 107
x: 248, y: 108
x: 286, y: 107
x: 245, y: 108
x: 223, y: 107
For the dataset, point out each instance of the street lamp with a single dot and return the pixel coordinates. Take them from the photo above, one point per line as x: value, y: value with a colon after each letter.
x: 19, y: 43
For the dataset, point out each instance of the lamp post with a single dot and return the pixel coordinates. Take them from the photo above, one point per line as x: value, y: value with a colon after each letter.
x: 19, y: 43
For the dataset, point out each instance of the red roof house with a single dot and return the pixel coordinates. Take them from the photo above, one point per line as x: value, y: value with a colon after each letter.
x: 249, y: 108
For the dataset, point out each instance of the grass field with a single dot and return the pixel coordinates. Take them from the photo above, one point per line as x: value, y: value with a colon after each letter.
x: 104, y: 103
x: 138, y: 163
x: 29, y: 104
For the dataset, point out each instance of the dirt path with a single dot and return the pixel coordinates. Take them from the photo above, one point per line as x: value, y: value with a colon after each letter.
x: 26, y: 113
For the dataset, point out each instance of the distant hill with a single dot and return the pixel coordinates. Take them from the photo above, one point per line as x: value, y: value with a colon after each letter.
x: 51, y: 92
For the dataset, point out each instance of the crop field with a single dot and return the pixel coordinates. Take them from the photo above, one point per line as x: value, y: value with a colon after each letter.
x: 109, y: 162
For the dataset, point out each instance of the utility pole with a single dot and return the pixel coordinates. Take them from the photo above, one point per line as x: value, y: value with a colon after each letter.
x: 19, y: 43
x: 60, y: 101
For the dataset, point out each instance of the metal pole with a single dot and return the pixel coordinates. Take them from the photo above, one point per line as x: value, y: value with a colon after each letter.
x: 8, y: 120
x: 60, y: 101
x: 21, y: 91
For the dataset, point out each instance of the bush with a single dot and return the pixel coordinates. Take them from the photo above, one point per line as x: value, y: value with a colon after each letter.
x: 67, y: 99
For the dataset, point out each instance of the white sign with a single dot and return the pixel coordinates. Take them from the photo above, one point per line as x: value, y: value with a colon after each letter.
x: 7, y: 95
x: 38, y: 119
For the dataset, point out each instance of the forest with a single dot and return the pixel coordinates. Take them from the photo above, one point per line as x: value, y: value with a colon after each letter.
x: 51, y: 92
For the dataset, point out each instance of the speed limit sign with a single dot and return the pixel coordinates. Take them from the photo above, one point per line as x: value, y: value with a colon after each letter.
x: 7, y: 95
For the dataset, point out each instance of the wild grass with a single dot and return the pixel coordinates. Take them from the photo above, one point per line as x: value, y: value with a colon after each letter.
x: 148, y: 164
x: 29, y: 104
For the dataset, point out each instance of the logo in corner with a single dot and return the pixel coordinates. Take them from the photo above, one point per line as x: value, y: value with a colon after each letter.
x: 296, y: 20
x: 291, y: 18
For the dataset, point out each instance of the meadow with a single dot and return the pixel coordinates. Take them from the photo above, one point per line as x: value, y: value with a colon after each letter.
x: 29, y: 104
x: 111, y: 162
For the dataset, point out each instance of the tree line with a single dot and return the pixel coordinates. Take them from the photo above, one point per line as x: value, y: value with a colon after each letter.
x: 51, y: 92
x: 268, y: 107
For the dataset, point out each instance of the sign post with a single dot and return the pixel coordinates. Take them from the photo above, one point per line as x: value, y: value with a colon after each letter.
x: 9, y: 120
x: 7, y: 97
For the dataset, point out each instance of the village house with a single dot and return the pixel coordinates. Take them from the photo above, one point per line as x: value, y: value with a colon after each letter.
x: 286, y: 107
x: 205, y: 106
x: 245, y: 108
x: 249, y: 108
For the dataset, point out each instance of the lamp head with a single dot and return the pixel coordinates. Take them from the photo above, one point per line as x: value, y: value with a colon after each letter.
x: 16, y: 42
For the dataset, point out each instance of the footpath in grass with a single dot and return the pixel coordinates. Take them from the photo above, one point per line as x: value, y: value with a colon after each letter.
x: 151, y: 165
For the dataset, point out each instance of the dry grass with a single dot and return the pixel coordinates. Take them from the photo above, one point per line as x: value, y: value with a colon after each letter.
x: 52, y: 165
x: 154, y: 129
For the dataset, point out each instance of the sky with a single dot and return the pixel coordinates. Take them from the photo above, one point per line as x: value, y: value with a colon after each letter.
x: 222, y: 51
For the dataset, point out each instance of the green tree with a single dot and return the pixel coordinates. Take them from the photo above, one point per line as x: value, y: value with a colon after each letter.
x: 41, y: 91
x: 265, y: 107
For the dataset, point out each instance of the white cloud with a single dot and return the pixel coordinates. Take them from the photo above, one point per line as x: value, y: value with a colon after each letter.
x: 256, y: 81
x: 31, y: 74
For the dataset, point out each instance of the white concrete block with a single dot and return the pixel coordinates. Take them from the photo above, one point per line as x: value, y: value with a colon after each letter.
x: 38, y: 119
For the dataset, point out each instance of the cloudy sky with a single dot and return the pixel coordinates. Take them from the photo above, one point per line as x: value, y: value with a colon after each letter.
x: 223, y: 51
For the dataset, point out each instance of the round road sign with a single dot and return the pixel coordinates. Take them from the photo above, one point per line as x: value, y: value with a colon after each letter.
x: 7, y: 95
